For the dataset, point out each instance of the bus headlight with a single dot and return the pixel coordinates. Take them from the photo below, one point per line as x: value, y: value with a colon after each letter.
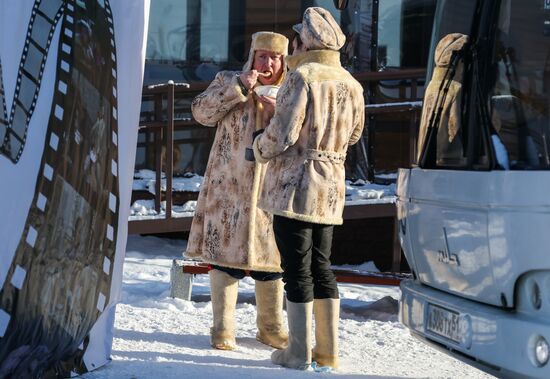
x: 541, y: 351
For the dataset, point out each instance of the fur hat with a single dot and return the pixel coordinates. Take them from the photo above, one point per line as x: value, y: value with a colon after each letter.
x: 446, y: 46
x: 269, y: 41
x: 319, y: 30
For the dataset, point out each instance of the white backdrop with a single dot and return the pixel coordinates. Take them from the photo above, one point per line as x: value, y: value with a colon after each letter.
x: 18, y: 181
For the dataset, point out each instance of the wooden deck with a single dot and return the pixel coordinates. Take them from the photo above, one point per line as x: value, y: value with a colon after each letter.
x: 182, y: 277
x: 342, y: 276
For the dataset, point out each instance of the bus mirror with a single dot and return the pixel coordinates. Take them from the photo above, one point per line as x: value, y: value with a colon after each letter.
x: 341, y: 4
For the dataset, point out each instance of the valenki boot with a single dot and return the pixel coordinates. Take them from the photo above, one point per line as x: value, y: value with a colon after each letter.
x: 298, y: 353
x: 327, y: 316
x: 223, y: 291
x: 269, y: 309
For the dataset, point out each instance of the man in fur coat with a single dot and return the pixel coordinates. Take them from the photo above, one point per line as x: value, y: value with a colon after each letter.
x: 319, y: 113
x: 448, y: 128
x: 229, y: 231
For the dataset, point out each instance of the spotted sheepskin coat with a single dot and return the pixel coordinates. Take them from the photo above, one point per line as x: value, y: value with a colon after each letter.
x: 320, y: 111
x: 449, y: 126
x: 228, y: 228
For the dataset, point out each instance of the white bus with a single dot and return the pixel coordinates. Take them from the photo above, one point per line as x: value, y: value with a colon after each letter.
x: 474, y: 214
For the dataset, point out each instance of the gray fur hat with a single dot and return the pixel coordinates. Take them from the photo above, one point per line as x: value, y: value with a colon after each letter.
x: 319, y: 30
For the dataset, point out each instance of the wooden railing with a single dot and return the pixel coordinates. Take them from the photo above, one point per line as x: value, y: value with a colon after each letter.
x: 162, y: 126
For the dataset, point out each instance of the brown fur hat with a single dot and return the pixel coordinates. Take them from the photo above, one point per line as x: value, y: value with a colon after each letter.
x: 269, y: 41
x: 446, y: 46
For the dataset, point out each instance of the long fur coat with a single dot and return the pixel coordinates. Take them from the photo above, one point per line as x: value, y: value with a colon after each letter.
x: 228, y: 228
x: 320, y: 112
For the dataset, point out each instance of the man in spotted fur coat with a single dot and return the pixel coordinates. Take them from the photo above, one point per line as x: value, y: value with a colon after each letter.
x: 229, y: 231
x: 448, y: 129
x: 319, y: 113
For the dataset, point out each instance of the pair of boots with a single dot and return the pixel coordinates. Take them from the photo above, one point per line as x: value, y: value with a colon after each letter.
x: 298, y: 354
x: 269, y: 308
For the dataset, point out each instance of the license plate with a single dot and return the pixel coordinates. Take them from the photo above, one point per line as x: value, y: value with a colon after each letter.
x: 444, y: 322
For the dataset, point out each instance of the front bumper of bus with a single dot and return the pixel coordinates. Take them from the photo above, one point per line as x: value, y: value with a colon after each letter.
x: 505, y: 343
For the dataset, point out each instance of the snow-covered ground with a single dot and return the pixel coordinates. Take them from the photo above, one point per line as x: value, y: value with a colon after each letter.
x: 157, y: 336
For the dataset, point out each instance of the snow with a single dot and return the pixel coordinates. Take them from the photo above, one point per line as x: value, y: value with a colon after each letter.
x: 145, y: 210
x: 144, y: 180
x: 412, y: 104
x: 160, y: 337
x: 364, y: 192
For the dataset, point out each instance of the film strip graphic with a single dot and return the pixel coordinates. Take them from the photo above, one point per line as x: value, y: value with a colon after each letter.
x: 4, y: 114
x: 59, y: 281
x: 13, y: 128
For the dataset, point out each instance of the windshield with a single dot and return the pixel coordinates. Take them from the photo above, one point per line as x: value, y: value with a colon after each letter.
x: 452, y: 16
x: 511, y: 118
x: 441, y: 135
x: 519, y: 91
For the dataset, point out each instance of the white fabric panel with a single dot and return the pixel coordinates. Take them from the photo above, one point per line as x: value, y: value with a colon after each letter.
x: 131, y: 20
x: 18, y: 181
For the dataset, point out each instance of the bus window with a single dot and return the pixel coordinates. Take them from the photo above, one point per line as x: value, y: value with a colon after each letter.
x: 443, y: 108
x: 452, y: 16
x: 519, y: 96
x: 443, y: 102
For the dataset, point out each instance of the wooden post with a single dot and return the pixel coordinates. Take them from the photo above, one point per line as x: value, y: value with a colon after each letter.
x: 158, y: 152
x: 169, y: 149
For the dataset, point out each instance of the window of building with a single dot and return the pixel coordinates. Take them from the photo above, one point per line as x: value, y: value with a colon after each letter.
x: 167, y: 35
x: 191, y: 40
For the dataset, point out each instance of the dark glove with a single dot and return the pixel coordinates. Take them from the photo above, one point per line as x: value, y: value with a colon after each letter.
x: 256, y: 134
x: 244, y: 90
x: 249, y: 152
x: 249, y: 155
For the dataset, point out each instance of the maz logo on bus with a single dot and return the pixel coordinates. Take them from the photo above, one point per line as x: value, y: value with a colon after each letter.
x: 445, y: 256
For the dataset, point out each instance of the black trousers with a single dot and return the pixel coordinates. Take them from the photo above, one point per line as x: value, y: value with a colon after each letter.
x: 237, y: 273
x: 305, y: 258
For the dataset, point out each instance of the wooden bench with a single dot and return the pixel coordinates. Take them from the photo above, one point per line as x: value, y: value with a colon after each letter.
x: 183, y: 272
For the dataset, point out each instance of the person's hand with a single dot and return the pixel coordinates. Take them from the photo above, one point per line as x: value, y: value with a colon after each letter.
x: 268, y: 103
x: 249, y: 78
x: 249, y: 152
x: 257, y: 133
